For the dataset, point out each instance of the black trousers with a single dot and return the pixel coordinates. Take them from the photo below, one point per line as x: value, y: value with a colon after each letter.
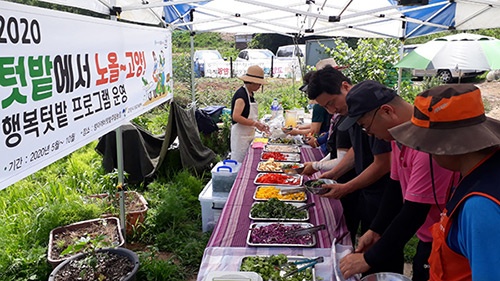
x: 370, y: 200
x: 420, y: 261
x: 350, y: 204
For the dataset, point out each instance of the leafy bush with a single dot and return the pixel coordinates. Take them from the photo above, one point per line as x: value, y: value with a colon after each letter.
x: 181, y: 67
x: 372, y: 59
x: 153, y: 267
x: 219, y: 141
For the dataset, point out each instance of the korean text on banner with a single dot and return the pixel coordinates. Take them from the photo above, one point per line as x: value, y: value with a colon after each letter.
x: 66, y: 80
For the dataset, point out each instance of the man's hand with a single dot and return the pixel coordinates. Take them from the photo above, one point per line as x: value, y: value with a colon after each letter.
x: 308, y: 169
x: 367, y: 240
x: 312, y: 141
x: 353, y: 264
x: 327, y: 175
x: 338, y: 190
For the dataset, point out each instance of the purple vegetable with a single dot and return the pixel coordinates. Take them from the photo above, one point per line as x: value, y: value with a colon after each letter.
x: 275, y: 234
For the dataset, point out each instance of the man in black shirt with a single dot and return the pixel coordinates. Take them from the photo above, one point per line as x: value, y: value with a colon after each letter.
x: 369, y: 156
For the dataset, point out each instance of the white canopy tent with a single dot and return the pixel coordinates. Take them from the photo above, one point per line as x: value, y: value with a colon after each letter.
x: 350, y: 18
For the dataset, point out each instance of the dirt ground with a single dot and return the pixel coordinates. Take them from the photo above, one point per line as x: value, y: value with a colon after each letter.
x: 491, y: 96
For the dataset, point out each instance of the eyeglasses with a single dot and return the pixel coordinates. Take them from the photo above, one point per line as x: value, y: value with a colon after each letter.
x: 367, y: 129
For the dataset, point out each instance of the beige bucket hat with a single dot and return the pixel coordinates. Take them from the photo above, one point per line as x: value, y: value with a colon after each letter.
x: 255, y: 74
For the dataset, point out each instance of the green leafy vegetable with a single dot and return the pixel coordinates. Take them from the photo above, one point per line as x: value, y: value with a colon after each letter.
x: 274, y: 208
x: 269, y: 268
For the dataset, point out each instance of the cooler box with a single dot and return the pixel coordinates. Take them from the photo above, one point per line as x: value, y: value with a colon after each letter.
x: 211, y: 206
x: 224, y: 174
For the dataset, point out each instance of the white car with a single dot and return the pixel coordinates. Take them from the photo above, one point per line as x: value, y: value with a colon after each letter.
x: 261, y: 57
x: 289, y: 52
x: 202, y: 56
x: 255, y: 54
x: 446, y: 75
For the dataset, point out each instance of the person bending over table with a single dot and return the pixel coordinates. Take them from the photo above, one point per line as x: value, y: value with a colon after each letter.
x: 244, y: 110
x: 369, y: 156
x: 423, y: 183
x: 315, y: 133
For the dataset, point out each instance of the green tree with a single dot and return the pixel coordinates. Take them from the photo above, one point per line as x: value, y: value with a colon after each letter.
x: 370, y: 59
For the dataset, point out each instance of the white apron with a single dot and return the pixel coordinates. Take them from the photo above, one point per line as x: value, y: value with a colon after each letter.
x: 242, y: 135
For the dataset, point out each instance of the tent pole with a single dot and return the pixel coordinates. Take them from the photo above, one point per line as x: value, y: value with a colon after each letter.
x: 400, y: 70
x: 119, y: 163
x: 192, y: 67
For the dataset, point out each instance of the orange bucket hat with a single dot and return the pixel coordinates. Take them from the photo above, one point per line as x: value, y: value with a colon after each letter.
x: 449, y: 120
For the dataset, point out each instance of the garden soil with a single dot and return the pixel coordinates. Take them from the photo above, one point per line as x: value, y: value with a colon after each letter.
x: 491, y: 96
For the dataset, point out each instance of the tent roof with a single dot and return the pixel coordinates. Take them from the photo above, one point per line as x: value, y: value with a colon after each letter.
x: 354, y: 18
x: 350, y: 18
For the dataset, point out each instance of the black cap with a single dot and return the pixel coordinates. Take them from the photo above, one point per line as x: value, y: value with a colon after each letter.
x: 303, y: 88
x: 365, y: 97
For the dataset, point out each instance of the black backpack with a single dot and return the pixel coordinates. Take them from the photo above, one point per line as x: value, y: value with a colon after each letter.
x: 206, y: 124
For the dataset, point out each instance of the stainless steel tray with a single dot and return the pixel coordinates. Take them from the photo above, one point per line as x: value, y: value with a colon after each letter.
x: 279, y: 219
x: 290, y: 259
x: 289, y: 157
x: 287, y: 141
x: 261, y: 224
x: 279, y: 167
x: 296, y: 178
x: 278, y: 188
x: 283, y: 148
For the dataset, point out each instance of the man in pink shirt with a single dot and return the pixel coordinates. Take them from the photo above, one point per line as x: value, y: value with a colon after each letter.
x: 423, y: 185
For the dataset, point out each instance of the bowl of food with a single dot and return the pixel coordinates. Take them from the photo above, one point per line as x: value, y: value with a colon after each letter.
x: 315, y: 186
x: 292, y: 168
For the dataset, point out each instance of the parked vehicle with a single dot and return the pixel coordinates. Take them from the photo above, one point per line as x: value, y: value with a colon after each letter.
x: 202, y: 56
x: 255, y: 54
x: 262, y: 57
x: 446, y: 75
x: 289, y: 52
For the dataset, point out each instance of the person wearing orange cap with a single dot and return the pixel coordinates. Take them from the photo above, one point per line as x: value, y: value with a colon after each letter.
x: 244, y: 110
x: 449, y: 123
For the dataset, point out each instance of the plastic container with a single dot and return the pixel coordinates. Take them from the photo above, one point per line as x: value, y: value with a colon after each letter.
x: 232, y: 275
x: 224, y: 174
x: 274, y: 108
x: 212, y: 204
x: 291, y: 118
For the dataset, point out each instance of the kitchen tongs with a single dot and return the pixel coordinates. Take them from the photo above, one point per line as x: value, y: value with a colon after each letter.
x: 292, y: 190
x: 307, y: 263
x: 305, y: 207
x: 304, y: 231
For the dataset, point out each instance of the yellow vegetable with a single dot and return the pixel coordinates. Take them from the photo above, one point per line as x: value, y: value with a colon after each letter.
x: 267, y: 192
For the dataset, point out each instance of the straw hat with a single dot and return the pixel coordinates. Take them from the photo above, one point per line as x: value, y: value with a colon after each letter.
x: 329, y: 61
x: 449, y: 120
x: 255, y: 74
x: 324, y: 62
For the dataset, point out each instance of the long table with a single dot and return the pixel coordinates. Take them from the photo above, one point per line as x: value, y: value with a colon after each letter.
x: 227, y: 245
